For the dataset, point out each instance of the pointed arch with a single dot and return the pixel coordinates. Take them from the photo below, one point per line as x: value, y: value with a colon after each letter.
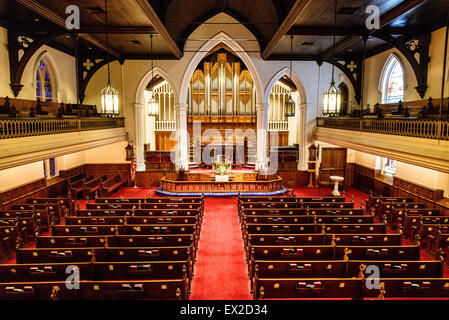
x: 208, y: 46
x: 392, y: 64
x: 156, y: 71
x: 55, y: 77
x: 302, y: 100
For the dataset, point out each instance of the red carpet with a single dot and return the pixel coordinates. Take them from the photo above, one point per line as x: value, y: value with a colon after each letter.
x: 359, y: 196
x: 221, y: 271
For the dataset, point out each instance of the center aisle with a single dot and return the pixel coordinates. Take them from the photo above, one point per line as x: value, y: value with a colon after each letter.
x: 220, y: 272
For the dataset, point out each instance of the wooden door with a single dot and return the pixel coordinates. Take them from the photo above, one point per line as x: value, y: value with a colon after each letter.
x: 333, y: 163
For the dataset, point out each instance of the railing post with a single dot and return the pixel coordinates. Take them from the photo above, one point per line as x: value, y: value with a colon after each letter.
x: 79, y: 124
x: 361, y: 124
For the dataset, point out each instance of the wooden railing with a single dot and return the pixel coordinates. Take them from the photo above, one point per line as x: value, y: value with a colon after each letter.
x: 278, y: 125
x: 17, y: 128
x: 428, y: 129
x: 164, y: 125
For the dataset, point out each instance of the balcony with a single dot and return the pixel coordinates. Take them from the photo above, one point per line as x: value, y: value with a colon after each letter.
x: 414, y: 141
x: 19, y: 128
x: 415, y: 128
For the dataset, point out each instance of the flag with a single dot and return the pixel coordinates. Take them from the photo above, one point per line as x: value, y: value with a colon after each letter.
x: 133, y: 169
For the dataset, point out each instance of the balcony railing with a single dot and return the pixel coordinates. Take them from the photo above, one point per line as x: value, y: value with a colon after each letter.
x: 164, y: 125
x: 278, y: 125
x: 428, y: 129
x: 18, y: 128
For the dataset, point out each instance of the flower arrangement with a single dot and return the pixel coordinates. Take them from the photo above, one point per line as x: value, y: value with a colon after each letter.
x: 222, y: 169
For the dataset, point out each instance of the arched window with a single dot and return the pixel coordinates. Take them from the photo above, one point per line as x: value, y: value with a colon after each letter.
x: 392, y: 81
x: 389, y: 166
x: 45, y: 88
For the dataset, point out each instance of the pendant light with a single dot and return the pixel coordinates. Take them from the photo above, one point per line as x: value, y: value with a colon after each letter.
x: 332, y: 96
x: 290, y: 104
x: 109, y: 95
x: 153, y: 106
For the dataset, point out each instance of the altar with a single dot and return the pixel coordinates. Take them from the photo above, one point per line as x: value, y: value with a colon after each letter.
x: 199, y: 182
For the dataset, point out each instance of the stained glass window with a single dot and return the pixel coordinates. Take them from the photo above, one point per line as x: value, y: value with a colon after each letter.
x: 44, y: 88
x: 52, y: 167
x: 393, y: 82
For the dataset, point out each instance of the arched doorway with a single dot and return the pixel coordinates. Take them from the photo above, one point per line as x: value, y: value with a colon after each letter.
x: 154, y: 132
x: 297, y: 134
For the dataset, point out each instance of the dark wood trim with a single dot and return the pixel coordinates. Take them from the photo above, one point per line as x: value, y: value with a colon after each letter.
x: 52, y: 16
x: 159, y: 26
x: 288, y: 22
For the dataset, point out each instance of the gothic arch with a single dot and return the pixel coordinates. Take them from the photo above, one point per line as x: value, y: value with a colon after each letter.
x: 301, y: 116
x: 54, y: 73
x: 208, y: 46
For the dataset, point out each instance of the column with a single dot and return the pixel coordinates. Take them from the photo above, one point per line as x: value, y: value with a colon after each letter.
x: 262, y: 135
x: 152, y: 133
x: 182, y: 141
x: 302, y: 140
x: 139, y: 125
x: 293, y: 122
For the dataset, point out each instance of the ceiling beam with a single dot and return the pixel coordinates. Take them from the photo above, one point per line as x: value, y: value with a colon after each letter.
x: 288, y: 22
x: 159, y: 26
x: 60, y: 21
x: 294, y: 57
x: 387, y: 18
x: 325, y: 31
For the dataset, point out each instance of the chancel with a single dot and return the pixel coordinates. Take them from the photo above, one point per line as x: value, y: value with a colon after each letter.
x: 224, y: 150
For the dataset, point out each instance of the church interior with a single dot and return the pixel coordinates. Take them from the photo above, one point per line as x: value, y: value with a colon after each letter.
x: 224, y: 150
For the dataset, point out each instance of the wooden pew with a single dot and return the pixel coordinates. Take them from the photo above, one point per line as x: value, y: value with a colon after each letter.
x: 61, y: 202
x: 325, y: 239
x: 175, y: 289
x: 138, y: 212
x: 92, y: 187
x: 410, y: 223
x: 111, y: 185
x: 290, y: 199
x: 298, y: 252
x: 348, y: 288
x: 159, y: 200
x: 346, y: 269
x: 75, y: 188
x: 98, y: 271
x: 63, y: 255
x: 299, y: 211
x: 395, y: 216
x: 148, y: 206
x: 166, y: 240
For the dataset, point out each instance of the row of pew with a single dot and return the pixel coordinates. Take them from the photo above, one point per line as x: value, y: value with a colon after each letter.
x: 91, y: 187
x: 119, y: 248
x: 299, y: 247
x: 415, y: 220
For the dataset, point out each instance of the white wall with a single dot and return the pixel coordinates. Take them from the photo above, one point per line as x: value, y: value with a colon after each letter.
x: 423, y: 176
x: 63, y: 65
x: 14, y: 177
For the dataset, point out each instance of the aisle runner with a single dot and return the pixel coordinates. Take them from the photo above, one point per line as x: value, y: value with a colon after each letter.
x: 220, y: 272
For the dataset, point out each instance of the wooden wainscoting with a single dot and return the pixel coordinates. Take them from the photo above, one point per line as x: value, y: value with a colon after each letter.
x: 293, y: 179
x: 57, y: 186
x: 163, y: 141
x: 365, y: 179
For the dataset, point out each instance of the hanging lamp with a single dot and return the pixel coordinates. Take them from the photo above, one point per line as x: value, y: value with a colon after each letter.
x: 109, y: 95
x: 332, y: 96
x: 153, y: 106
x: 290, y: 104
